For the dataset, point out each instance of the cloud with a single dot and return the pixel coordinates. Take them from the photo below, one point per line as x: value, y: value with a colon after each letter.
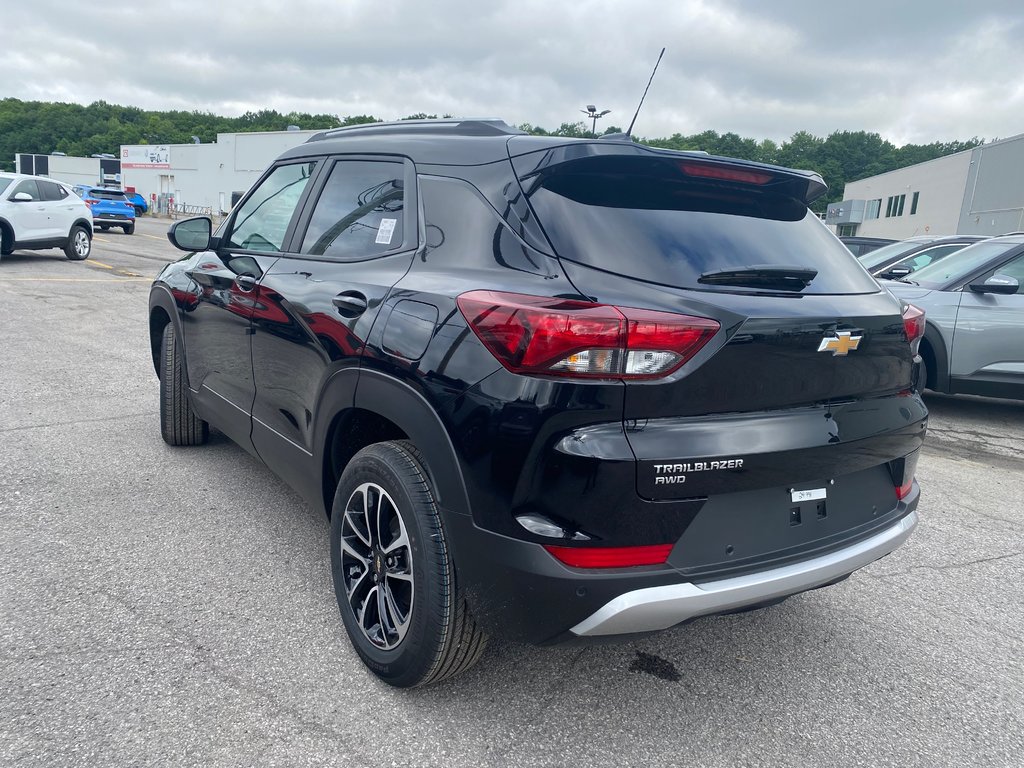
x: 910, y: 71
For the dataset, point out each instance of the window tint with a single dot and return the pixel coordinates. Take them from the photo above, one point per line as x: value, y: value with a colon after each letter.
x: 4, y: 183
x: 650, y: 221
x: 51, y: 191
x: 262, y: 221
x: 360, y: 211
x: 29, y: 187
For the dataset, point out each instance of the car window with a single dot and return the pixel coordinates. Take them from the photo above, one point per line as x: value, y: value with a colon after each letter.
x: 359, y: 213
x: 1015, y: 269
x: 4, y: 183
x: 958, y: 265
x: 29, y: 187
x: 51, y: 191
x: 108, y: 194
x: 649, y: 220
x: 874, y: 259
x: 262, y: 221
x: 926, y: 257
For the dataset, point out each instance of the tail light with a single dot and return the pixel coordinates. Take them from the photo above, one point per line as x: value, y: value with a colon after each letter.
x: 610, y: 557
x: 579, y: 339
x: 913, y: 325
x: 91, y: 201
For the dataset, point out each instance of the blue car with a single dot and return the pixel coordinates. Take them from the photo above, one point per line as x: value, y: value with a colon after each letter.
x: 139, y: 201
x: 110, y: 207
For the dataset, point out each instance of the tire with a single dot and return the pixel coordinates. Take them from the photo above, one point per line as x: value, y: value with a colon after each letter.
x: 79, y: 244
x: 923, y: 375
x: 179, y: 424
x: 439, y: 637
x: 129, y: 229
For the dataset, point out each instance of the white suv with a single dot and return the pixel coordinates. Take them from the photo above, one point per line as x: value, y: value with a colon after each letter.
x: 36, y: 213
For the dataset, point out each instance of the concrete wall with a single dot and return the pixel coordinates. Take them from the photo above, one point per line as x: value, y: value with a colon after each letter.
x: 993, y: 203
x: 940, y: 182
x: 70, y: 170
x: 206, y: 174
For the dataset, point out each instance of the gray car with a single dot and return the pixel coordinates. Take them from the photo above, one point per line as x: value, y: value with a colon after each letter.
x: 974, y: 303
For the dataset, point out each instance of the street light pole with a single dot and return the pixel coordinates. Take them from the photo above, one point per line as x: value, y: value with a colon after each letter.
x: 594, y: 115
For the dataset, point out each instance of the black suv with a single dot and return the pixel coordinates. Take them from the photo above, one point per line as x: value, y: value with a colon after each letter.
x: 546, y: 388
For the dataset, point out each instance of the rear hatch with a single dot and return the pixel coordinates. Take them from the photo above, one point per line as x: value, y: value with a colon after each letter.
x: 807, y: 380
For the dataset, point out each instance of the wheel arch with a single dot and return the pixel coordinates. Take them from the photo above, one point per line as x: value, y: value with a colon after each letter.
x: 84, y: 223
x: 6, y: 234
x: 936, y: 357
x: 163, y: 311
x: 384, y: 408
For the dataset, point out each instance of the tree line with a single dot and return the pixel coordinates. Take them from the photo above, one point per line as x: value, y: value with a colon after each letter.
x: 44, y: 127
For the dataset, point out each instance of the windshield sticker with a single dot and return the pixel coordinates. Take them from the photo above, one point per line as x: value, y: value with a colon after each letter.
x: 385, y: 231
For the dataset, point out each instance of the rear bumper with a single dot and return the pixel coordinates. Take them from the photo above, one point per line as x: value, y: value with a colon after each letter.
x: 654, y: 608
x: 518, y: 591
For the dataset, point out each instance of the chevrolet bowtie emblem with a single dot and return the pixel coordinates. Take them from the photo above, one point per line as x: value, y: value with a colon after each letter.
x: 839, y: 344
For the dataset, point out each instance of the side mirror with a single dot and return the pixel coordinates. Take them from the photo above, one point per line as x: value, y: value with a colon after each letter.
x: 21, y: 197
x: 192, y: 234
x: 999, y: 284
x: 896, y: 273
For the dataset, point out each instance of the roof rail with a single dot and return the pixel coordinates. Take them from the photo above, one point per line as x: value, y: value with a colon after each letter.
x: 485, y: 126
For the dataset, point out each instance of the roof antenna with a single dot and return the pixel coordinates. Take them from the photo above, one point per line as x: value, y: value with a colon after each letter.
x: 629, y: 131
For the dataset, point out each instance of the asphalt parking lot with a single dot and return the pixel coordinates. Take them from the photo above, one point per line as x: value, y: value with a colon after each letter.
x: 163, y: 606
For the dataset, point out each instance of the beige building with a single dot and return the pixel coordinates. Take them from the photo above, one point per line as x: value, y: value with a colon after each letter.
x: 978, y: 191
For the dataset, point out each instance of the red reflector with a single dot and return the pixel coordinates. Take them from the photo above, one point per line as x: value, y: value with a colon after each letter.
x: 610, y: 557
x: 902, y: 491
x: 725, y: 173
x: 90, y: 201
x: 565, y: 337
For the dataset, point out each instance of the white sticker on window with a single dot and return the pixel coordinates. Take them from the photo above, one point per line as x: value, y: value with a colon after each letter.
x: 385, y: 231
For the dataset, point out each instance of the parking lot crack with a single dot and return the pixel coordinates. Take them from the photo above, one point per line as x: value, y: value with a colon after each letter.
x: 946, y: 566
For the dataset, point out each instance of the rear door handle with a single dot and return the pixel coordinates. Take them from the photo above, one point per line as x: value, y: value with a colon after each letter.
x: 245, y: 282
x: 350, y: 303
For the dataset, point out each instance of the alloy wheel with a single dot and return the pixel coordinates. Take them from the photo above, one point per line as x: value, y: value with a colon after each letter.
x: 376, y: 563
x: 81, y: 243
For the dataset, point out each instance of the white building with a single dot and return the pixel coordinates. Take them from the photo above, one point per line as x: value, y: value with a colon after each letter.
x: 200, y: 175
x: 976, y: 192
x: 204, y: 175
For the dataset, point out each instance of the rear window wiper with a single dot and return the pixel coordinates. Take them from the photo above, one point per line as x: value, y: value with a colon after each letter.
x: 783, y: 278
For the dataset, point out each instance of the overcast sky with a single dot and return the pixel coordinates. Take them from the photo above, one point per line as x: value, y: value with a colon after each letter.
x: 912, y: 71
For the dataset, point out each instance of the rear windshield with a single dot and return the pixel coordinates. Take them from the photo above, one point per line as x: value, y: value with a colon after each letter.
x: 106, y: 194
x: 647, y: 219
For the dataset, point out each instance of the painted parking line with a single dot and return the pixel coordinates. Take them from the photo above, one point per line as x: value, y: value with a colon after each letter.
x: 75, y: 279
x: 98, y: 263
x: 155, y: 237
x: 100, y: 239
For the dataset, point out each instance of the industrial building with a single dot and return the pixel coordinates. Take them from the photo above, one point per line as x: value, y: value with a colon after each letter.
x: 974, y: 192
x: 187, y: 175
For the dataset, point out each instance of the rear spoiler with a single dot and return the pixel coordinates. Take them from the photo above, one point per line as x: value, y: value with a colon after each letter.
x: 535, y: 157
